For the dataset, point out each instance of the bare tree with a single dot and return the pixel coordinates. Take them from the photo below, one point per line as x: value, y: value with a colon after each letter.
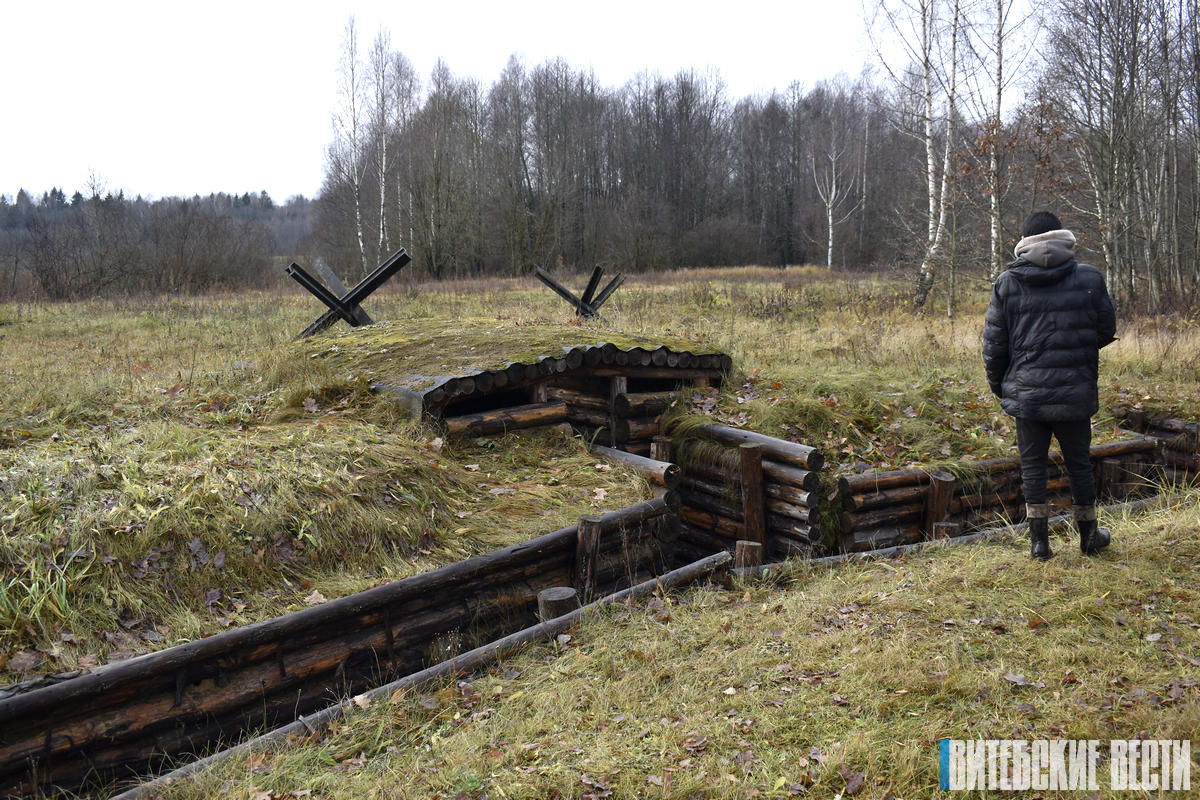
x: 833, y: 162
x: 347, y: 157
x: 928, y: 33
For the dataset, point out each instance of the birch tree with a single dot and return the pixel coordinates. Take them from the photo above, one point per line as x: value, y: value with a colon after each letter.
x: 928, y: 35
x: 833, y: 160
x: 347, y: 159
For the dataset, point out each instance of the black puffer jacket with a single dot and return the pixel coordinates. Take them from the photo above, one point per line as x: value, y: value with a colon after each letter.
x: 1047, y: 321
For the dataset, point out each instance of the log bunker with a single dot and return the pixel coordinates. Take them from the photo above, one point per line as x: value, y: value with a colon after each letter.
x: 718, y: 487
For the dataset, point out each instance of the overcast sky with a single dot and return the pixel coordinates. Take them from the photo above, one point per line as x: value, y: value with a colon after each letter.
x: 167, y: 98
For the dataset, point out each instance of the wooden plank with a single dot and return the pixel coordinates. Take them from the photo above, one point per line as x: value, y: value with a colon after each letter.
x: 753, y: 507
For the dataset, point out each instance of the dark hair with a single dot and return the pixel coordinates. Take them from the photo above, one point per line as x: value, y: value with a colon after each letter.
x: 1040, y: 222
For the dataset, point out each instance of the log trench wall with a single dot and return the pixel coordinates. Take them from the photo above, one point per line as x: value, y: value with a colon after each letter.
x: 883, y: 509
x: 117, y: 721
x: 586, y: 386
x: 769, y: 496
x: 1180, y: 440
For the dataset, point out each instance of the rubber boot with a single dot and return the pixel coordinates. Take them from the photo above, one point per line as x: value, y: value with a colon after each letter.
x: 1092, y: 538
x: 1039, y: 530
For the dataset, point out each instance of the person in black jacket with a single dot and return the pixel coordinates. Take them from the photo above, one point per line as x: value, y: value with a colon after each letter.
x: 1048, y: 318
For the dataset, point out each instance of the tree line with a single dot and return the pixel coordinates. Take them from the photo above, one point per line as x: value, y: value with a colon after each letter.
x: 977, y: 115
x: 104, y: 244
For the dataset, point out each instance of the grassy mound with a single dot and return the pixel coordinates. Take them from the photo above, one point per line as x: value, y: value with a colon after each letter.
x: 166, y: 475
x: 394, y: 352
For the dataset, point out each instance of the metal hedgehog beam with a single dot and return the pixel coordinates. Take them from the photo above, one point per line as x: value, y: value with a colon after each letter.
x: 587, y: 305
x: 346, y: 306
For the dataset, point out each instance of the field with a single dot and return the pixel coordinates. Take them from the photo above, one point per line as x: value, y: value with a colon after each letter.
x: 176, y: 466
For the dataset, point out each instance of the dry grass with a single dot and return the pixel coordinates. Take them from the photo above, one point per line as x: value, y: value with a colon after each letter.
x: 790, y: 689
x: 153, y: 452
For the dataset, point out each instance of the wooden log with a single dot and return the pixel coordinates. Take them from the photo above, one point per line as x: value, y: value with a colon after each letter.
x: 484, y: 382
x: 556, y: 601
x: 937, y: 501
x: 1167, y: 423
x: 798, y: 455
x: 874, y: 482
x: 1176, y: 441
x: 781, y: 509
x: 657, y: 472
x: 515, y: 372
x: 754, y: 511
x: 877, y: 538
x: 1005, y: 495
x: 792, y: 495
x: 660, y: 448
x: 702, y: 540
x: 885, y: 498
x: 644, y: 404
x: 714, y: 523
x: 503, y: 419
x: 1127, y: 447
x: 782, y: 475
x: 696, y: 375
x: 595, y: 417
x: 712, y: 497
x: 586, y: 550
x: 636, y: 429
x: 618, y: 385
x: 1182, y: 460
x: 784, y: 526
x: 577, y: 399
x: 893, y: 515
x: 808, y: 480
x: 572, y: 357
x: 747, y: 554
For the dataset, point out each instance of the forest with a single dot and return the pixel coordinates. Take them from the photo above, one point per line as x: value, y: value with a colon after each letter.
x: 973, y: 115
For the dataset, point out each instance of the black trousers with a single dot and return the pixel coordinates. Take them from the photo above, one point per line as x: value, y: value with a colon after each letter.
x: 1075, y: 441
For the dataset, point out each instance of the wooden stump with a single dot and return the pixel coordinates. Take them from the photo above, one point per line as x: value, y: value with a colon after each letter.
x: 747, y: 554
x: 556, y: 601
x: 937, y: 501
x: 946, y: 530
x: 587, y: 548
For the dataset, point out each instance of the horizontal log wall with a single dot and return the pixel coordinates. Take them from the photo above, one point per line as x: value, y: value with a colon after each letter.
x: 109, y: 722
x: 439, y: 395
x: 776, y: 480
x: 884, y: 509
x: 1179, y: 438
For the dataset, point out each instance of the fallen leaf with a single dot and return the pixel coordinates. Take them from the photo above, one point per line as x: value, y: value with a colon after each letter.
x: 310, y: 405
x: 314, y: 598
x: 24, y: 661
x: 855, y: 781
x: 1020, y: 680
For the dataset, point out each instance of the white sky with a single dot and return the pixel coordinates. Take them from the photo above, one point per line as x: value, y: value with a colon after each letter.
x: 170, y: 98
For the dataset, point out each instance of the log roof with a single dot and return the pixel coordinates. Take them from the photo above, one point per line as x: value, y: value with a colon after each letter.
x: 429, y: 363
